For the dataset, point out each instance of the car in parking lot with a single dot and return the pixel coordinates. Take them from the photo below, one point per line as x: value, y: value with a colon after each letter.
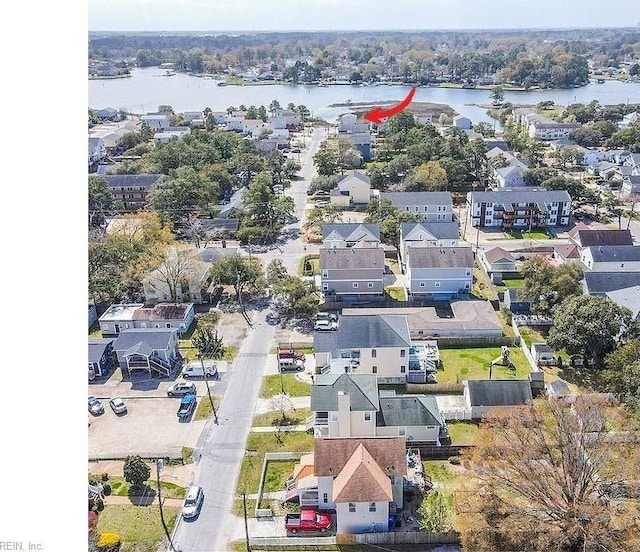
x: 295, y: 150
x: 321, y: 203
x: 187, y: 406
x: 95, y: 406
x: 118, y: 406
x: 192, y: 502
x: 325, y: 325
x: 181, y: 388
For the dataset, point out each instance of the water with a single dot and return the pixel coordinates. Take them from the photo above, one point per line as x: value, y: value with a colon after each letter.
x: 146, y: 89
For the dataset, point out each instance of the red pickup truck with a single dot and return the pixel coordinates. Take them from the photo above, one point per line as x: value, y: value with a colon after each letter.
x: 307, y: 520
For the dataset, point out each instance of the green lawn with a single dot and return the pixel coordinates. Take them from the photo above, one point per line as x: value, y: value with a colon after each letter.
x: 397, y: 293
x: 295, y: 417
x: 272, y: 385
x: 277, y: 474
x: 139, y: 527
x: 258, y: 444
x: 526, y: 235
x: 204, y: 410
x: 462, y: 433
x: 120, y: 487
x: 513, y: 283
x: 464, y: 364
x: 307, y: 261
x: 531, y: 335
x: 440, y: 472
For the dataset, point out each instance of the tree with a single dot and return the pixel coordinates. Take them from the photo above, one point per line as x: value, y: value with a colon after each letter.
x: 543, y: 476
x: 622, y: 375
x: 275, y: 272
x: 436, y: 512
x: 101, y: 202
x: 208, y: 345
x: 325, y: 160
x: 428, y: 177
x: 182, y: 192
x: 548, y: 285
x: 390, y: 219
x: 589, y: 325
x: 264, y: 209
x: 135, y: 471
x: 496, y: 95
x: 242, y: 273
x: 174, y: 273
x: 294, y: 297
x: 281, y: 403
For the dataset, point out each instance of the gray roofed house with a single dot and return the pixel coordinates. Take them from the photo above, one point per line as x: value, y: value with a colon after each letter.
x: 482, y: 395
x: 131, y: 189
x: 147, y: 349
x: 627, y: 297
x: 422, y: 234
x: 583, y: 236
x: 213, y: 254
x: 439, y: 272
x: 361, y: 388
x: 352, y: 258
x: 409, y: 410
x: 631, y: 184
x: 429, y: 206
x: 351, y: 235
x: 612, y: 258
x: 440, y: 257
x: 352, y: 273
x: 601, y: 283
x: 100, y: 356
x: 228, y: 226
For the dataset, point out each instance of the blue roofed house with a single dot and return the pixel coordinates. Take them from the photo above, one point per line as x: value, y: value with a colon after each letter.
x: 101, y: 357
x: 149, y: 349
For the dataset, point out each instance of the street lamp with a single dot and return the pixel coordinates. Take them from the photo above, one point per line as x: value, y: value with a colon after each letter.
x: 159, y: 465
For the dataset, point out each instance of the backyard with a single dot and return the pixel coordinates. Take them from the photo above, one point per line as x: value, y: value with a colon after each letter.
x: 526, y: 235
x: 462, y: 433
x: 464, y: 364
x: 287, y: 383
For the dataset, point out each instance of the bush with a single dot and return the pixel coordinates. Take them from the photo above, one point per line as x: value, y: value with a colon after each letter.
x: 455, y: 460
x: 106, y: 489
x: 105, y: 476
x: 108, y: 542
x: 98, y: 504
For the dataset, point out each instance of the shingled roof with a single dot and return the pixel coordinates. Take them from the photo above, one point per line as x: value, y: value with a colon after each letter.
x: 352, y: 258
x: 369, y: 331
x: 332, y: 454
x: 361, y: 388
x: 587, y: 237
x: 440, y: 257
x: 362, y: 480
x: 409, y: 410
x: 499, y: 392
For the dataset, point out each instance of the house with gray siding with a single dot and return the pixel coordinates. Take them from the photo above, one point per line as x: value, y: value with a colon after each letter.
x: 131, y: 189
x: 352, y: 273
x: 149, y: 349
x: 101, y: 357
x: 439, y: 272
x: 120, y: 317
x: 343, y: 235
x: 428, y: 206
x: 427, y: 234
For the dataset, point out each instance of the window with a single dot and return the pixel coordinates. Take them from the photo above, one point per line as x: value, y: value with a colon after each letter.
x: 325, y: 273
x: 403, y: 352
x: 403, y: 369
x: 325, y: 498
x: 168, y: 324
x: 369, y: 284
x: 352, y: 507
x: 422, y: 284
x: 354, y: 285
x: 367, y: 416
x: 467, y: 285
x: 437, y: 284
x: 334, y: 416
x: 426, y: 208
x: 401, y: 431
x: 325, y: 287
x: 374, y: 353
x: 468, y: 272
x: 374, y: 369
x: 372, y: 506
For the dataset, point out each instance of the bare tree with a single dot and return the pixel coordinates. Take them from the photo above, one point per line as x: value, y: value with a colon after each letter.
x: 281, y: 403
x: 175, y: 270
x: 542, y: 476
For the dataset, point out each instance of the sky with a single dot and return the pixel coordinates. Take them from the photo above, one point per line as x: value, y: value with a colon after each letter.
x: 239, y: 15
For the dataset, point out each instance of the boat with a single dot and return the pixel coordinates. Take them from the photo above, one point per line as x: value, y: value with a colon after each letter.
x: 222, y: 83
x: 169, y: 73
x: 600, y: 81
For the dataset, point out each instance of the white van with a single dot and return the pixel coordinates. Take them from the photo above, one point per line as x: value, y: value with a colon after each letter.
x: 194, y: 370
x: 286, y: 364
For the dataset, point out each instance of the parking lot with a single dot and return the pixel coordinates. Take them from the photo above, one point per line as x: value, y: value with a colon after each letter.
x: 151, y: 426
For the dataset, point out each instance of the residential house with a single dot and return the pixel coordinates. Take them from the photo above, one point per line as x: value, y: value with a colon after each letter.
x: 462, y: 122
x: 543, y: 354
x: 235, y: 121
x: 120, y: 317
x: 466, y: 318
x: 604, y: 169
x: 365, y: 344
x: 541, y: 127
x: 515, y: 303
x: 602, y: 283
x: 357, y: 133
x: 361, y: 479
x: 631, y: 184
x: 271, y: 144
x: 627, y: 297
x: 194, y: 118
x: 612, y: 258
x: 352, y: 273
x: 285, y: 118
x: 428, y: 206
x: 629, y: 119
x: 108, y: 114
x: 131, y: 189
x: 497, y: 259
x: 415, y: 417
x: 439, y: 272
x: 156, y: 121
x: 254, y: 127
x: 505, y: 169
x: 583, y: 236
x: 97, y: 151
x: 150, y: 349
x: 482, y: 396
x: 427, y: 234
x: 167, y: 134
x: 566, y: 252
x: 342, y: 235
x: 353, y: 188
x: 101, y: 357
x: 513, y: 208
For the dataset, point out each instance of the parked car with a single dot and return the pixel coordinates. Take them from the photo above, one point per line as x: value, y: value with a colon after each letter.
x: 95, y: 406
x: 181, y: 388
x: 295, y: 150
x: 308, y: 520
x: 286, y: 364
x: 187, y: 405
x: 321, y: 203
x: 322, y: 193
x: 290, y: 353
x: 192, y: 502
x: 118, y: 406
x: 325, y: 325
x: 194, y: 370
x: 324, y: 315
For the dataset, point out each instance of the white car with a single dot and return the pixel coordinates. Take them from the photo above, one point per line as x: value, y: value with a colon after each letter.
x: 321, y: 203
x: 192, y: 502
x: 118, y: 406
x: 325, y: 325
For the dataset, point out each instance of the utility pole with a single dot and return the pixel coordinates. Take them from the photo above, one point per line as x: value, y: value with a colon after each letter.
x: 246, y: 527
x: 159, y: 465
x: 206, y: 380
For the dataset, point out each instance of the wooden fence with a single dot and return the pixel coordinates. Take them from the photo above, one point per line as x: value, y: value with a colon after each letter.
x: 399, y: 537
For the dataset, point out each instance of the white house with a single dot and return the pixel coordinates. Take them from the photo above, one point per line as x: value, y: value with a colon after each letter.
x: 427, y: 234
x: 497, y: 259
x: 439, y: 272
x: 629, y: 119
x: 612, y: 258
x: 120, y: 317
x: 341, y: 235
x: 428, y: 206
x: 97, y: 150
x: 285, y: 119
x: 353, y: 187
x: 254, y: 127
x: 156, y: 121
x: 505, y: 169
x: 167, y: 134
x: 462, y: 122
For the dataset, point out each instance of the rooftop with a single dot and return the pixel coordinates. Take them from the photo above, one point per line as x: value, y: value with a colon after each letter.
x: 519, y: 195
x: 362, y: 480
x: 361, y: 388
x: 418, y: 198
x: 409, y: 410
x: 499, y: 392
x: 331, y: 455
x: 440, y: 257
x: 124, y: 311
x: 351, y: 258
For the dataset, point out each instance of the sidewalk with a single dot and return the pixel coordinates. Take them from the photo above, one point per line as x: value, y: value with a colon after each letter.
x: 142, y: 501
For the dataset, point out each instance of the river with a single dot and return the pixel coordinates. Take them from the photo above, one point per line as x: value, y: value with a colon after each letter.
x: 147, y: 88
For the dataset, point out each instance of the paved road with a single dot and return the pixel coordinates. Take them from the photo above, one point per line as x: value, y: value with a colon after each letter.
x: 223, y: 446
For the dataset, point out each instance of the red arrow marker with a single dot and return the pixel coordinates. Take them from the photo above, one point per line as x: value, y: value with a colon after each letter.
x: 376, y: 115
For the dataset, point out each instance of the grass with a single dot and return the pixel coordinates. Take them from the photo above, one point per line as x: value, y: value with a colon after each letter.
x: 441, y: 473
x: 139, y: 527
x: 187, y: 455
x: 394, y: 266
x: 313, y: 261
x: 95, y: 332
x: 465, y: 364
x: 462, y: 433
x: 482, y: 287
x: 120, y: 487
x: 512, y: 283
x: 191, y: 353
x: 526, y: 235
x: 204, y: 410
x: 259, y: 444
x: 531, y: 335
x: 273, y: 385
x: 397, y: 293
x: 278, y: 471
x: 295, y: 417
x: 238, y: 509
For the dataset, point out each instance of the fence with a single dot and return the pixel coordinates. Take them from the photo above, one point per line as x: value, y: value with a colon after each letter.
x: 295, y: 345
x: 435, y: 388
x: 174, y: 453
x: 437, y: 452
x: 273, y: 544
x: 525, y: 350
x: 489, y: 341
x: 399, y: 537
x: 271, y: 456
